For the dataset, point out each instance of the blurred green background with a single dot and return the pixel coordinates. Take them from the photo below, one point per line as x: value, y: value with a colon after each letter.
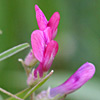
x: 78, y: 37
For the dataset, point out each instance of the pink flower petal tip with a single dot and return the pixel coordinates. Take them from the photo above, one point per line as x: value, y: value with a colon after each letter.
x: 41, y: 19
x: 43, y: 23
x: 53, y: 23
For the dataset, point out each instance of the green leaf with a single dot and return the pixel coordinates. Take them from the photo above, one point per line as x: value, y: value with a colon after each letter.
x: 0, y: 32
x: 27, y: 92
x: 1, y: 98
x: 13, y: 51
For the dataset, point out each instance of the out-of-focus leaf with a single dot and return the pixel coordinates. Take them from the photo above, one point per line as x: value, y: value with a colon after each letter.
x: 27, y: 92
x: 0, y: 32
x: 13, y: 51
x: 1, y: 97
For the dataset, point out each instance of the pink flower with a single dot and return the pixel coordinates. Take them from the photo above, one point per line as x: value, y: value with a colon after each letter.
x: 40, y: 38
x: 79, y: 78
x: 43, y: 23
x: 44, y: 48
x: 43, y: 45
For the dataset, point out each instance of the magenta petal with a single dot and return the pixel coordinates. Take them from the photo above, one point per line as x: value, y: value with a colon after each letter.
x: 38, y: 43
x: 47, y: 35
x: 79, y: 78
x: 53, y: 23
x: 41, y: 19
x: 50, y: 53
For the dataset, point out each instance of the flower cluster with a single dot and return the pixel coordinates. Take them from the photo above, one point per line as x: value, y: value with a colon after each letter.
x: 43, y: 45
x: 44, y: 49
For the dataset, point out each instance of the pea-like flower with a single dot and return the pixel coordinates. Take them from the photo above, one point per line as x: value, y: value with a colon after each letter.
x: 48, y: 29
x: 78, y: 79
x: 43, y: 45
x: 40, y: 38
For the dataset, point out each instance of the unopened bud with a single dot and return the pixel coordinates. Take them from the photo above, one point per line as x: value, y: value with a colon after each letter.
x: 30, y: 59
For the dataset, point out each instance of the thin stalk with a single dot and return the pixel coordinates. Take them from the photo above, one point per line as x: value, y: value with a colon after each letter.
x: 64, y: 97
x: 27, y: 73
x: 31, y: 96
x: 25, y: 67
x: 10, y: 94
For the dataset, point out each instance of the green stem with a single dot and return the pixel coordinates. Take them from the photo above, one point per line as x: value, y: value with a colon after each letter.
x: 10, y: 94
x: 25, y: 67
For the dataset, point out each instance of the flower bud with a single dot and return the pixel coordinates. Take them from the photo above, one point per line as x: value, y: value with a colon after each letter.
x: 30, y: 59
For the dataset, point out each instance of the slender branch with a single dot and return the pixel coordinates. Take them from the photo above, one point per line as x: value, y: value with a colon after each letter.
x: 27, y: 72
x: 10, y: 94
x: 32, y: 96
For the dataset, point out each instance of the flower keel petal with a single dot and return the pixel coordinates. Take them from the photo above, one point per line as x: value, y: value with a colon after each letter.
x: 50, y: 53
